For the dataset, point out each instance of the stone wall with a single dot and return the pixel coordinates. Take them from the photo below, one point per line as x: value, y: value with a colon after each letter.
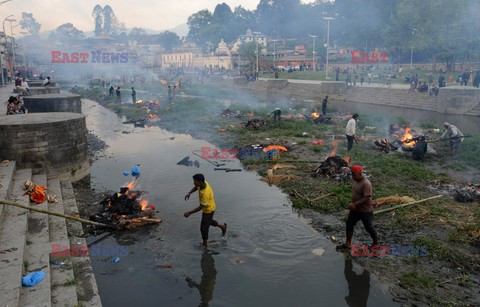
x: 63, y: 102
x: 461, y: 101
x: 41, y: 90
x: 35, y: 83
x: 52, y: 143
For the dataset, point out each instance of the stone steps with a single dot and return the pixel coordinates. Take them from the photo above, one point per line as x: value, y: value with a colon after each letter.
x: 6, y: 179
x: 37, y: 253
x: 12, y: 242
x: 27, y: 239
x: 87, y: 290
x: 63, y: 283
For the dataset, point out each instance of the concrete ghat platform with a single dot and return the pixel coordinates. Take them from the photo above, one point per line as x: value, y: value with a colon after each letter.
x: 41, y: 90
x: 64, y: 102
x: 34, y: 83
x: 52, y: 143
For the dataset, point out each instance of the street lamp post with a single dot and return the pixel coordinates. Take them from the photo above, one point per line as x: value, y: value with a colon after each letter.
x: 411, y: 50
x: 314, y: 67
x: 256, y: 69
x: 328, y: 42
x: 274, y: 54
x: 13, y: 41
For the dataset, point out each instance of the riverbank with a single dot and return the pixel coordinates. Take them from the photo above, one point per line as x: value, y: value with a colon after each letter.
x: 448, y: 275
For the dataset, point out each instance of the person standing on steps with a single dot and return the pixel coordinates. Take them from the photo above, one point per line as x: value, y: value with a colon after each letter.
x: 207, y: 205
x: 361, y: 207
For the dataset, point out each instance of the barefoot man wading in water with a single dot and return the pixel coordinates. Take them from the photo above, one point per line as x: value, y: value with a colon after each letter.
x: 207, y: 204
x: 361, y: 207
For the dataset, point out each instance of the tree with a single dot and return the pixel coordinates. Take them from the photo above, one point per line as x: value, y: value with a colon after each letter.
x: 196, y: 22
x: 138, y: 34
x: 168, y: 40
x: 30, y: 24
x: 108, y: 19
x: 66, y: 33
x: 222, y: 14
x: 248, y: 51
x: 97, y: 15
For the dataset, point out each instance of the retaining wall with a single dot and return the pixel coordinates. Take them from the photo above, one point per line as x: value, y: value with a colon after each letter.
x: 63, y: 102
x: 52, y: 143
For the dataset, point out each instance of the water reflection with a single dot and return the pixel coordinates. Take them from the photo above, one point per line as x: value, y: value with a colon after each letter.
x: 207, y: 283
x: 358, y: 285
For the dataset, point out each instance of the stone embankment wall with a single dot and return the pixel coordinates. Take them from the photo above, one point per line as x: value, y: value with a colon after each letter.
x: 63, y: 102
x: 459, y: 101
x: 52, y: 143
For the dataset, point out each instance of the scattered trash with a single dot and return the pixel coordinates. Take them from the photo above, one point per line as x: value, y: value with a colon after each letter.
x: 277, y: 147
x: 317, y: 142
x: 304, y: 133
x: 237, y: 260
x: 126, y: 173
x: 135, y: 171
x: 333, y: 238
x: 187, y: 162
x: 318, y: 251
x: 57, y: 263
x: 33, y: 278
x: 116, y: 260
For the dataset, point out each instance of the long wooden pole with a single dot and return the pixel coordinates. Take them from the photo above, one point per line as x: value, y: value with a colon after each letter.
x: 11, y: 203
x: 407, y: 204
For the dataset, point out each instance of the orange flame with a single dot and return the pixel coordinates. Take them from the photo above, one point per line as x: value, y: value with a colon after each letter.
x: 153, y: 116
x: 347, y: 159
x: 315, y: 115
x: 139, y: 101
x: 407, y: 138
x: 143, y: 203
x: 333, y: 153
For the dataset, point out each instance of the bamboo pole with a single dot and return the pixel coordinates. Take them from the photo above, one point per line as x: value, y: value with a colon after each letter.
x: 11, y: 203
x: 407, y: 204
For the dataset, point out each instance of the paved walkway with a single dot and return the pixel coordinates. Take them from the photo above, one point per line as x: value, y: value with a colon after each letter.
x: 5, y: 92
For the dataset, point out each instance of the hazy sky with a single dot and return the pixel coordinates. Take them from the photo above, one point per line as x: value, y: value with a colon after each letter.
x: 152, y: 14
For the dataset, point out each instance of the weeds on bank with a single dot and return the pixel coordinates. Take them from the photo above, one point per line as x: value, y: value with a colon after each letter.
x: 416, y: 279
x: 440, y: 250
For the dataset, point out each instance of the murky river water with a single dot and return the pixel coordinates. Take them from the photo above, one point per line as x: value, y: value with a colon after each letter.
x: 266, y: 258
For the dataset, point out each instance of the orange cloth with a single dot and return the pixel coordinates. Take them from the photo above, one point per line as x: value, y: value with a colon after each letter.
x: 38, y: 195
x: 280, y: 148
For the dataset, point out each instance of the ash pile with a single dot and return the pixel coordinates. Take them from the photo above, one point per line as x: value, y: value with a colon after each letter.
x: 464, y: 193
x: 227, y: 113
x: 334, y: 167
x: 254, y: 123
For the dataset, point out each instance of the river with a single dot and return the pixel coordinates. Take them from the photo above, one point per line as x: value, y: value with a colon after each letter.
x: 265, y: 259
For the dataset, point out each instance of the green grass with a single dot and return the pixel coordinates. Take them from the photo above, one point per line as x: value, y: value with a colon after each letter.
x: 416, y: 279
x: 440, y: 250
x: 67, y: 283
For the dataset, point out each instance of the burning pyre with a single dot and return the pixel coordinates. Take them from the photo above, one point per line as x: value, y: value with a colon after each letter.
x: 334, y: 166
x: 461, y: 193
x: 127, y: 209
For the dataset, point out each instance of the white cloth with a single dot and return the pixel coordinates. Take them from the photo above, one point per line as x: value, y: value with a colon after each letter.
x: 25, y: 84
x: 452, y: 131
x: 46, y: 82
x: 351, y: 127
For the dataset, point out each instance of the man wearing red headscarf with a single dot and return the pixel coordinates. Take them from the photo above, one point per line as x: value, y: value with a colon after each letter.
x: 361, y: 207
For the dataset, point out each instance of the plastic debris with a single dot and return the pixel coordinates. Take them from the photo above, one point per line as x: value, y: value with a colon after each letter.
x: 57, y: 263
x: 126, y: 173
x: 116, y: 259
x: 317, y: 142
x: 135, y: 171
x: 318, y: 251
x: 33, y: 278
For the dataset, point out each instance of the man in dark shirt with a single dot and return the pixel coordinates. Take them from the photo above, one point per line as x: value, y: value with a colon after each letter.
x: 324, y: 105
x: 361, y: 207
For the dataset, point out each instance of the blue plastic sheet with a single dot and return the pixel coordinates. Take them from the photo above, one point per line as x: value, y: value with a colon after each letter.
x: 33, y: 278
x: 126, y: 173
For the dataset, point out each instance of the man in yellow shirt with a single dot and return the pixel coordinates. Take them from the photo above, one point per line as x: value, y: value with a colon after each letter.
x: 207, y: 204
